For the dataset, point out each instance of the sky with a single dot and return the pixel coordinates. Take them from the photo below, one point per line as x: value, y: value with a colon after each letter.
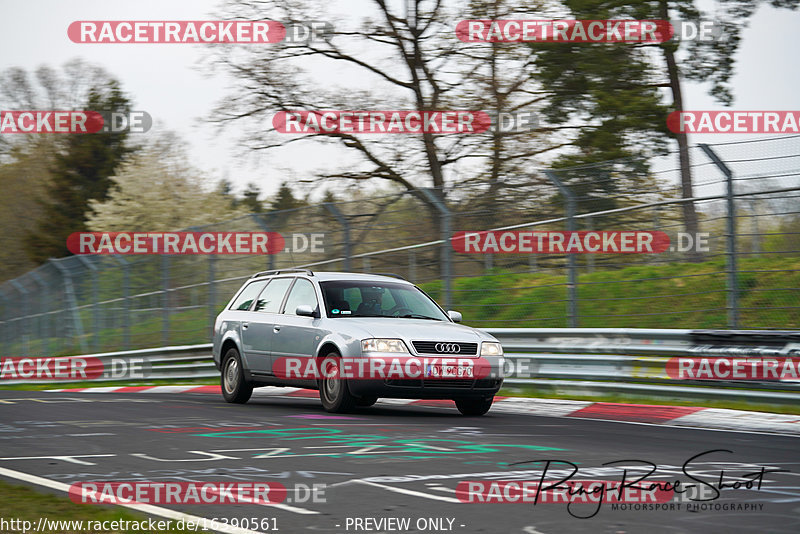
x: 167, y: 82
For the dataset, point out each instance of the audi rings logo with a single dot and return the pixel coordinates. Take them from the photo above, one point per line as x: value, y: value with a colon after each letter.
x: 452, y: 348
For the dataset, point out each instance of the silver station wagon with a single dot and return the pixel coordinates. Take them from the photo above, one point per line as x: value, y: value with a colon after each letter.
x: 355, y: 338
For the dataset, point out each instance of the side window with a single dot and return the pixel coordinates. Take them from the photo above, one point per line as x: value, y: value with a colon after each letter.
x: 269, y: 301
x: 302, y: 293
x: 246, y: 297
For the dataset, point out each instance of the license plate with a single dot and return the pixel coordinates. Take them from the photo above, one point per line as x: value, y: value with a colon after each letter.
x: 437, y: 370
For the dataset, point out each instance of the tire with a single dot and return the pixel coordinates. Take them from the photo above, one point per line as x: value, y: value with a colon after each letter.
x: 235, y: 388
x: 333, y: 392
x: 475, y: 406
x: 366, y: 401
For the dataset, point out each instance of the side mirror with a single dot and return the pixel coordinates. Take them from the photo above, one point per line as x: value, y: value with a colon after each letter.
x: 305, y: 310
x: 454, y: 316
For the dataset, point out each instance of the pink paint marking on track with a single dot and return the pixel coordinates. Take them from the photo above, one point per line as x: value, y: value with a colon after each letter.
x: 641, y: 413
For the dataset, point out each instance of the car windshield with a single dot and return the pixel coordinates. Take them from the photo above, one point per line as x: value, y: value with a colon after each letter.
x: 367, y: 298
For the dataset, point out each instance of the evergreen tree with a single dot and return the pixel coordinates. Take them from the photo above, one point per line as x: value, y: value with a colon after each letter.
x: 81, y: 172
x: 612, y: 88
x: 250, y: 201
x: 284, y: 199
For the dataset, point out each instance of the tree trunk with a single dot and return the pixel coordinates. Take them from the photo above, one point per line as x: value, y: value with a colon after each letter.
x: 689, y: 214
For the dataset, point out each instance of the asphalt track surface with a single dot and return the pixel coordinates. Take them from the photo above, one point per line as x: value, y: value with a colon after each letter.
x: 391, y: 461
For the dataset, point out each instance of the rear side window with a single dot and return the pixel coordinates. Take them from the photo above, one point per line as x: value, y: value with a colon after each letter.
x: 249, y: 293
x: 269, y: 301
x: 302, y: 293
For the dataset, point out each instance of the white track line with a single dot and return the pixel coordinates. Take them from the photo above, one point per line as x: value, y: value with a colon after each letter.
x: 409, y: 492
x: 144, y: 508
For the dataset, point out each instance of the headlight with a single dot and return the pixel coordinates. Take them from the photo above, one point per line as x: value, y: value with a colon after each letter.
x: 491, y: 348
x: 383, y: 345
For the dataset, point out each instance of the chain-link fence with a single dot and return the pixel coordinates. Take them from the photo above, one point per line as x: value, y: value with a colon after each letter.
x: 745, y: 273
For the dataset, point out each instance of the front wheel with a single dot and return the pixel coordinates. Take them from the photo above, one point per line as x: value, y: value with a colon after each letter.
x: 477, y: 406
x: 235, y: 388
x: 333, y: 390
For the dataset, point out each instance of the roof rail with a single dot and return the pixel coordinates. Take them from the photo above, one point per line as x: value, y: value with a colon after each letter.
x: 309, y: 272
x: 393, y: 275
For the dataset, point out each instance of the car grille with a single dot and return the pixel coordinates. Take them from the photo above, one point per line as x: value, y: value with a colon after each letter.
x: 447, y: 383
x: 461, y: 383
x: 430, y: 347
x: 404, y: 382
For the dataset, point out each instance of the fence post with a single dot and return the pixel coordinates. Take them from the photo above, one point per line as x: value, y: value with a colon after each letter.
x: 5, y: 338
x: 345, y: 230
x: 72, y: 300
x: 412, y: 265
x: 212, y: 290
x: 270, y: 257
x: 164, y: 300
x: 572, y: 274
x: 95, y: 299
x: 733, y: 287
x: 656, y: 228
x: 43, y: 315
x: 532, y: 264
x: 756, y: 238
x: 26, y: 318
x: 590, y: 257
x: 126, y: 304
x: 447, y: 248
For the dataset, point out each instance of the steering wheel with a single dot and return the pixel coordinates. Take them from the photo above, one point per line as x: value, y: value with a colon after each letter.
x: 396, y: 311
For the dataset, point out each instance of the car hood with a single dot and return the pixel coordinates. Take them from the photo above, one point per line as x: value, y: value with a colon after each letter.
x: 416, y: 329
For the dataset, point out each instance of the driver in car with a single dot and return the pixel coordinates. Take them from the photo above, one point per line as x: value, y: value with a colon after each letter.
x: 371, y: 301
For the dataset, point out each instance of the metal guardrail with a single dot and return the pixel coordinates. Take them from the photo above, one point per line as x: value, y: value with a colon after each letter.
x: 166, y: 363
x: 575, y: 361
x: 585, y: 361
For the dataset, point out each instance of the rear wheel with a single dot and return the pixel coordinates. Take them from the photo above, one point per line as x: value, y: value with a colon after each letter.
x: 235, y: 388
x: 333, y: 390
x: 477, y: 406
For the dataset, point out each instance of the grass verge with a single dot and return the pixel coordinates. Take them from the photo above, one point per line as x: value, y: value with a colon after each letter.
x: 27, y: 504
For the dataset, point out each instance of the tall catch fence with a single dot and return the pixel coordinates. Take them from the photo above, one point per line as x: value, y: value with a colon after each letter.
x: 745, y: 274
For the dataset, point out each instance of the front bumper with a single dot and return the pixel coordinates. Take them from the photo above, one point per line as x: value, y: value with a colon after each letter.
x: 484, y: 385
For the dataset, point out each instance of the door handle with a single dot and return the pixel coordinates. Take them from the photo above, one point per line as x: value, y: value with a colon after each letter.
x: 276, y: 328
x: 245, y: 325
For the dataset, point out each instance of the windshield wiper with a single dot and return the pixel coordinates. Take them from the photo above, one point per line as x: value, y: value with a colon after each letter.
x: 417, y: 316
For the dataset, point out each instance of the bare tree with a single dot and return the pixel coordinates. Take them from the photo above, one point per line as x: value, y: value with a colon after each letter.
x: 398, y: 56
